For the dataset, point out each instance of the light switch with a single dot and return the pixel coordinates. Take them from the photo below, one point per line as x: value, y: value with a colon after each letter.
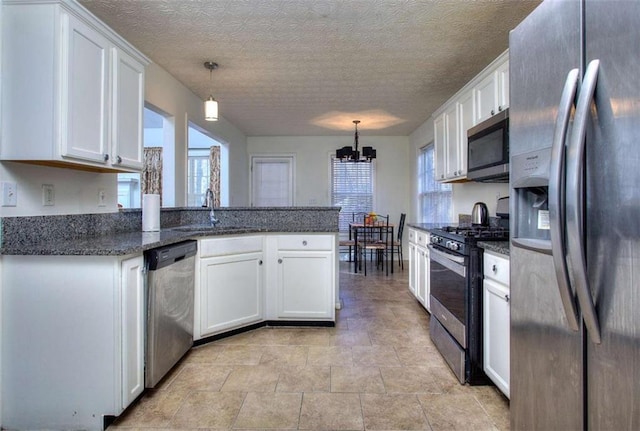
x: 48, y: 195
x: 9, y: 194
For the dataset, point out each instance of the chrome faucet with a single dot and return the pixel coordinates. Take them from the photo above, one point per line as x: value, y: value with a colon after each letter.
x: 209, y: 202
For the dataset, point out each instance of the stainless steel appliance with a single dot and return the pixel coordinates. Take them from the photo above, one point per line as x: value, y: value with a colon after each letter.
x: 455, y: 278
x: 575, y: 255
x: 170, y: 283
x: 488, y: 149
x: 480, y: 214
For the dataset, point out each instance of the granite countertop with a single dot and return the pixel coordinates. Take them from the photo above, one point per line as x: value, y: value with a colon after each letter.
x: 501, y: 247
x: 120, y: 244
x: 119, y: 234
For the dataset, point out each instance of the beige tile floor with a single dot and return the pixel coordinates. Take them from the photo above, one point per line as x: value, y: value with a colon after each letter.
x: 376, y: 370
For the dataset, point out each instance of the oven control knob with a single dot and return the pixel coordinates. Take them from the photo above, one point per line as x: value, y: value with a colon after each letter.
x: 451, y: 245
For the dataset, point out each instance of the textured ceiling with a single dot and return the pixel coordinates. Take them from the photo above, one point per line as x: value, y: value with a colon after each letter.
x: 309, y: 67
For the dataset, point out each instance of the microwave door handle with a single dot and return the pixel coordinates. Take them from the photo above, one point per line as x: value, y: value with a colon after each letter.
x: 557, y: 198
x: 575, y: 202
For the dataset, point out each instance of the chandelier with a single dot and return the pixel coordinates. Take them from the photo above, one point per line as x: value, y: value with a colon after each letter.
x: 349, y: 154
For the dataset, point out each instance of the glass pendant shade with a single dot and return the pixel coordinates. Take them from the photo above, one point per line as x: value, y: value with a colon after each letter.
x: 211, y: 109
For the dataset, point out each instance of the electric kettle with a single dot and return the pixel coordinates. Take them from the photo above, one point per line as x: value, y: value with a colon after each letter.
x: 480, y: 214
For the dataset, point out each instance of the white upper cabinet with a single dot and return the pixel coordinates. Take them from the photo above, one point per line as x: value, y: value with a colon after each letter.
x: 440, y: 145
x: 77, y: 81
x: 483, y: 96
x: 492, y: 92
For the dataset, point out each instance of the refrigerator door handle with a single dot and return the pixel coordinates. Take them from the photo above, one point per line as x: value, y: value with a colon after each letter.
x: 575, y: 201
x: 557, y: 198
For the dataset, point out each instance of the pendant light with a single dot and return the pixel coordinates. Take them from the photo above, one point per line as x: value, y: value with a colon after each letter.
x: 210, y: 105
x: 348, y: 154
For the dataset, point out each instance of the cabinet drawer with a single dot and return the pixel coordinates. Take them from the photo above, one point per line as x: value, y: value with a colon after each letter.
x: 496, y: 267
x: 422, y: 238
x: 306, y: 242
x: 235, y: 245
x: 413, y: 235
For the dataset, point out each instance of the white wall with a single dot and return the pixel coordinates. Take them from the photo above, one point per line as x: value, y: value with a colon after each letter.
x: 392, y: 194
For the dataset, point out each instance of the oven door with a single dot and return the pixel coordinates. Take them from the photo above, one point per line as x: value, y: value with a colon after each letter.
x: 448, y: 284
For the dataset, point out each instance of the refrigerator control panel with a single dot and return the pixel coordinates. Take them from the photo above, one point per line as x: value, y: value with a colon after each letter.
x: 532, y: 169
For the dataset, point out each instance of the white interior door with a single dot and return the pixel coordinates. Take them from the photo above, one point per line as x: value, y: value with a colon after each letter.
x: 272, y: 181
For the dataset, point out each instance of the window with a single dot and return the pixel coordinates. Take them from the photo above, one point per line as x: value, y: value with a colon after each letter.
x: 434, y: 198
x: 198, y: 173
x: 351, y: 188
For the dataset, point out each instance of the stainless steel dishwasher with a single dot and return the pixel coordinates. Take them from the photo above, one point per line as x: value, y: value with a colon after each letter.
x: 170, y: 286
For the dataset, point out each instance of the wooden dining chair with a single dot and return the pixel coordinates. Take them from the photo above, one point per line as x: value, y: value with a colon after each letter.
x: 396, y: 243
x: 356, y: 217
x: 375, y: 240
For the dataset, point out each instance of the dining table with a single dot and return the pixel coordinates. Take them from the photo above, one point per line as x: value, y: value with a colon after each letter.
x: 371, y: 229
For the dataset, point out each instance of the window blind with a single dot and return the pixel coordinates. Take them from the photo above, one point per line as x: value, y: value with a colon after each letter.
x: 351, y: 189
x: 435, y: 199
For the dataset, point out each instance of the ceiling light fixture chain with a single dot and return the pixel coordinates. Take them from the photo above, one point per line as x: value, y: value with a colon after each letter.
x: 349, y: 154
x: 211, y: 105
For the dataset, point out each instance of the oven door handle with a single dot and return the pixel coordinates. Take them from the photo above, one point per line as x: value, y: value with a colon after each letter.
x: 449, y: 261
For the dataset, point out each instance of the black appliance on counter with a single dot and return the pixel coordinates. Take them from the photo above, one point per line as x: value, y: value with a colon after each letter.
x: 456, y: 297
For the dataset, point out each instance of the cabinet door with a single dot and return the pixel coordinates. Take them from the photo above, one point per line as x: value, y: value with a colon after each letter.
x: 439, y: 143
x: 451, y: 140
x: 465, y: 122
x: 413, y: 268
x: 486, y: 97
x: 496, y: 317
x: 230, y: 292
x: 422, y: 275
x: 133, y: 329
x: 503, y: 86
x: 127, y: 115
x: 305, y: 287
x: 85, y: 92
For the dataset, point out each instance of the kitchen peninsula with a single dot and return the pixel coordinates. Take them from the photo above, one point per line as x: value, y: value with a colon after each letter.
x: 74, y: 308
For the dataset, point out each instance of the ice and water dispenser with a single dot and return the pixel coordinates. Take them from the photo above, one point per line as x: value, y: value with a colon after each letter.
x: 530, y: 182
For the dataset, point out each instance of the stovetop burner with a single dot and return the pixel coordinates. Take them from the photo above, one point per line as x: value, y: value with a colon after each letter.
x: 478, y: 232
x: 460, y: 238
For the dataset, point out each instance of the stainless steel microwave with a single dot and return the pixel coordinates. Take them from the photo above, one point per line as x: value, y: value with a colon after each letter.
x: 488, y: 151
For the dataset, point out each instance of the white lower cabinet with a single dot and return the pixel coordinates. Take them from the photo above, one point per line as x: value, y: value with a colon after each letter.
x: 133, y: 328
x: 230, y: 283
x: 72, y: 339
x: 247, y: 279
x: 419, y: 266
x: 305, y: 274
x: 496, y: 319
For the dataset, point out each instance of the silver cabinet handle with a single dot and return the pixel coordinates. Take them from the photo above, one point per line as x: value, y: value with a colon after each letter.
x: 105, y: 157
x: 279, y: 260
x: 575, y: 201
x: 557, y: 198
x: 304, y: 243
x: 118, y: 159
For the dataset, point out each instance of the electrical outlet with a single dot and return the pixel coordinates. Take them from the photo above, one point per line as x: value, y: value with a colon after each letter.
x: 48, y: 195
x: 9, y: 194
x: 102, y: 198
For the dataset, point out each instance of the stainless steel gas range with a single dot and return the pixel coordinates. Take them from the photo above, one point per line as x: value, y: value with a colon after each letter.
x: 456, y: 297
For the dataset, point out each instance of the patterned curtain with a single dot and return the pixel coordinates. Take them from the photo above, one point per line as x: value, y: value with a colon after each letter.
x: 152, y: 172
x: 214, y: 174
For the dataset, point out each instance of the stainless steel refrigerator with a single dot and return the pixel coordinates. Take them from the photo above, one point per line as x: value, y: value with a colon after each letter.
x: 575, y: 225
